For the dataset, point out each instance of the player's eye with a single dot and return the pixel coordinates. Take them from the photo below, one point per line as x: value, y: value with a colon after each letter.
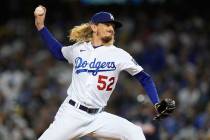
x: 109, y: 24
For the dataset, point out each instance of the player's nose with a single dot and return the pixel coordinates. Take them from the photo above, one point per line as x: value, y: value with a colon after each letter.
x: 110, y: 29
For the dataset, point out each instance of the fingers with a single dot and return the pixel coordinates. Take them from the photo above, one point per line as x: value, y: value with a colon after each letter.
x: 39, y: 14
x: 40, y: 11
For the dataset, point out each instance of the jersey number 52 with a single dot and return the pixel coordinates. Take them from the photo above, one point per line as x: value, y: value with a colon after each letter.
x: 105, y: 82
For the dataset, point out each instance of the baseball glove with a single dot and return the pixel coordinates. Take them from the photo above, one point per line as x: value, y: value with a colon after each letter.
x: 164, y: 108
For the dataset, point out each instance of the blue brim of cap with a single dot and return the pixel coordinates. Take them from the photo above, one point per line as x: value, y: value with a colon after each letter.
x: 116, y: 23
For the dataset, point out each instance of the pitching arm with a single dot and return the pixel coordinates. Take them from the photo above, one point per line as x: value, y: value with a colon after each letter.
x: 52, y: 44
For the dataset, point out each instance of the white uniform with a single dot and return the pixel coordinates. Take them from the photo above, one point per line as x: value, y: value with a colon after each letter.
x: 95, y: 74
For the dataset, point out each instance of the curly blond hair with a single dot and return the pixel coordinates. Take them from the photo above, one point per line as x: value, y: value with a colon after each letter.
x: 81, y: 33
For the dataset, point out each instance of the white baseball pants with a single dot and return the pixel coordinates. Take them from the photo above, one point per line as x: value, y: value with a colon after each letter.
x: 71, y: 123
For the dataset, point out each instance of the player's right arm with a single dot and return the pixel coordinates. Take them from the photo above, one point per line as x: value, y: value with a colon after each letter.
x: 52, y: 44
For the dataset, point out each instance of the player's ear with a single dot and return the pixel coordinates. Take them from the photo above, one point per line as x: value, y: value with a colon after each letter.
x: 93, y: 27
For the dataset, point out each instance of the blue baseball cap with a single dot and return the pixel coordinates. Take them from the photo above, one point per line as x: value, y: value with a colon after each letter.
x: 105, y: 17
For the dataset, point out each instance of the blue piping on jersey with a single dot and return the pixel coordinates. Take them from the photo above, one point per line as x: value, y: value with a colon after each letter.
x: 149, y: 86
x: 95, y: 47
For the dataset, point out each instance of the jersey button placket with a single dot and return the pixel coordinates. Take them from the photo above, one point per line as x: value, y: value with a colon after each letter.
x: 89, y: 74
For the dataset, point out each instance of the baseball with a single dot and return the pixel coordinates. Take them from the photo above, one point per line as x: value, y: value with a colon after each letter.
x: 39, y: 11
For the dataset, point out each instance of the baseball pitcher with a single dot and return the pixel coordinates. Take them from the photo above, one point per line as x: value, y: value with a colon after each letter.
x: 97, y: 63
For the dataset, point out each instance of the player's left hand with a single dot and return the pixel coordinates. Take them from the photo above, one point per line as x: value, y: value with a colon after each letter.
x: 164, y: 108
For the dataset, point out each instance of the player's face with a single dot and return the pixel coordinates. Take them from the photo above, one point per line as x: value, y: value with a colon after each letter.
x: 105, y: 31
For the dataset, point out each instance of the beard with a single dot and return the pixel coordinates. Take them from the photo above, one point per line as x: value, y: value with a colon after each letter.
x: 106, y: 39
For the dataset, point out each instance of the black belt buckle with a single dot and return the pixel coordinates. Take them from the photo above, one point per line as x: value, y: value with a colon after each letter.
x: 84, y: 108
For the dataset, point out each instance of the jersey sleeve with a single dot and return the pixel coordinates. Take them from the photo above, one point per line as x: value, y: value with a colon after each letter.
x: 128, y: 64
x: 67, y: 52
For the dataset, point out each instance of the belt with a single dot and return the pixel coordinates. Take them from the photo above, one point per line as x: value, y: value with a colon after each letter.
x: 84, y: 108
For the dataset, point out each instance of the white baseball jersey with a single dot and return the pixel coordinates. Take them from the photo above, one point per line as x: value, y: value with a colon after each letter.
x: 95, y: 71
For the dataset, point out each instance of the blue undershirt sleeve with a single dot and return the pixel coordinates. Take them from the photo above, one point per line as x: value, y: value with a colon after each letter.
x: 148, y: 85
x: 52, y: 44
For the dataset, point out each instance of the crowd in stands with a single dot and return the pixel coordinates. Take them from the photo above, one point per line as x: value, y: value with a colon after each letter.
x: 172, y: 47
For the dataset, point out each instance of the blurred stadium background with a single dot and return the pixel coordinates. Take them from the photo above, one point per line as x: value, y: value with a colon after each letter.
x: 169, y: 38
